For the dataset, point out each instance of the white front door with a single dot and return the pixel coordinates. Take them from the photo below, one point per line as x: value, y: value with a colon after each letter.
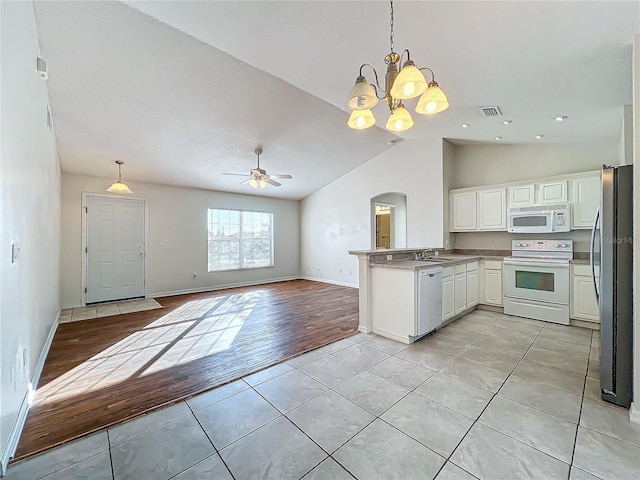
x: 115, y: 248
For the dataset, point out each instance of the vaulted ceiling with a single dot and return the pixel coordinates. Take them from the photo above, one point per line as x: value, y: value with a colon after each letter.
x: 183, y: 91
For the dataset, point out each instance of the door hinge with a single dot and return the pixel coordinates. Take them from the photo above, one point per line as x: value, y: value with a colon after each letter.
x: 85, y: 289
x: 85, y: 250
x: 86, y: 210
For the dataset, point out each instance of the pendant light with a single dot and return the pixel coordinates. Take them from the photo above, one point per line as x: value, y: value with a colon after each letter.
x: 119, y: 187
x: 400, y: 84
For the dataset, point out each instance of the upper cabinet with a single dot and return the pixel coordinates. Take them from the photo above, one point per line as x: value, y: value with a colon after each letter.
x: 463, y: 211
x: 485, y: 208
x: 492, y: 209
x: 585, y: 197
x: 522, y: 195
x: 553, y: 192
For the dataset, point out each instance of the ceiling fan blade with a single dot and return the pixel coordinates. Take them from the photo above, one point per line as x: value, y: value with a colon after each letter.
x: 276, y: 175
x: 271, y: 181
x: 245, y: 181
x: 238, y: 174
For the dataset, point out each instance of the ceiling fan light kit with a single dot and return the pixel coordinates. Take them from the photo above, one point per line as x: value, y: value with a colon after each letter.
x: 259, y: 178
x: 119, y: 187
x: 400, y: 84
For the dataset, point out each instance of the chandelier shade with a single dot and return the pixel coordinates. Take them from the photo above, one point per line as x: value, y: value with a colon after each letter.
x: 119, y: 187
x: 399, y: 120
x: 433, y: 101
x: 400, y: 84
x: 409, y: 83
x: 361, y: 119
x: 362, y: 95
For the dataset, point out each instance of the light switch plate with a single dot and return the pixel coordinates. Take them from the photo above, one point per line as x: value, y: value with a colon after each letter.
x: 15, y: 253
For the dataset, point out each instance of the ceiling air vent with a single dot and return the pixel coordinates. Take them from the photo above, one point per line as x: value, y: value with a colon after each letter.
x: 490, y: 111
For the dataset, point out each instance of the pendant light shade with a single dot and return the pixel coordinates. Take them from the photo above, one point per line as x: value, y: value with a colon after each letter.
x: 253, y: 183
x: 362, y: 95
x: 399, y: 120
x: 409, y: 83
x: 433, y: 101
x: 119, y: 187
x: 361, y: 119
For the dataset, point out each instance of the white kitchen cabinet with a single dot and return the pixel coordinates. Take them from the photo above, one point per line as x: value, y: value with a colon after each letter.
x: 492, y: 209
x: 583, y: 304
x: 522, y: 195
x: 463, y: 211
x: 585, y: 199
x: 492, y: 283
x: 552, y: 192
x: 472, y: 288
x: 460, y: 290
x: 448, y: 305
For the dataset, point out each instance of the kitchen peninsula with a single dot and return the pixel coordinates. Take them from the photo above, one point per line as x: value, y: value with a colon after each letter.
x: 407, y: 293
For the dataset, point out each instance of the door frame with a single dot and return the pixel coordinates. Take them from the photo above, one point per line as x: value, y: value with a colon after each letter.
x: 391, y: 223
x: 83, y: 249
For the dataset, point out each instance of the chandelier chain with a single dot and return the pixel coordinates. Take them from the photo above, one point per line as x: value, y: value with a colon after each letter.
x: 391, y: 25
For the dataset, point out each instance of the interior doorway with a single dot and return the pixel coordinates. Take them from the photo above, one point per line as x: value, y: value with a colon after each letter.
x: 389, y: 221
x: 114, y: 248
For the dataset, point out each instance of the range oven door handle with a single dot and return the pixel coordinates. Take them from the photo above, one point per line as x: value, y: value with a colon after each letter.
x: 592, y: 256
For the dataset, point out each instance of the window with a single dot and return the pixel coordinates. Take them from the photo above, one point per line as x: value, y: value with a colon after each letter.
x: 239, y: 239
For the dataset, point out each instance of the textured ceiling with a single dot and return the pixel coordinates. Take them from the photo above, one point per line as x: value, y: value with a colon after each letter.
x: 183, y: 91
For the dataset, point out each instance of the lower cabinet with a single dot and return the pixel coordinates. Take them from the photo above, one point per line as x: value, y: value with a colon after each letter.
x: 492, y: 283
x: 583, y: 303
x: 448, y: 305
x: 459, y: 289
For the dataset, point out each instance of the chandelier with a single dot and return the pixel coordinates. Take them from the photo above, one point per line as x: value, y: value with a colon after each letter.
x: 400, y: 84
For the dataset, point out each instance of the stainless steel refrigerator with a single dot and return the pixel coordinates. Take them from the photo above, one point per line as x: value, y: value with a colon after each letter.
x: 615, y: 289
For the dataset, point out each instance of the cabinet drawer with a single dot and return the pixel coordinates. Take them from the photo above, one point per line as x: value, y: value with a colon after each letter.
x: 492, y: 265
x: 447, y: 271
x: 584, y: 270
x: 460, y: 268
x: 471, y: 266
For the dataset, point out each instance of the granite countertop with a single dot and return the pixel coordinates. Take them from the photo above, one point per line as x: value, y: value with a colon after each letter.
x: 424, y: 264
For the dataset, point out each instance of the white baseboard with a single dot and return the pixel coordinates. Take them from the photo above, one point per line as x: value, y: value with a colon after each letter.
x: 333, y: 282
x: 392, y: 336
x: 634, y: 413
x: 219, y: 287
x: 16, y: 431
x: 363, y: 329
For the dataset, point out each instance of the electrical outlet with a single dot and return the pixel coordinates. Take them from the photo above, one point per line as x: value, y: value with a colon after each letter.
x: 493, y: 241
x: 164, y: 243
x: 15, y: 253
x: 389, y: 257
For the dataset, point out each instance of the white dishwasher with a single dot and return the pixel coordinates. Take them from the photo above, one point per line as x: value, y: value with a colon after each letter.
x: 429, y: 299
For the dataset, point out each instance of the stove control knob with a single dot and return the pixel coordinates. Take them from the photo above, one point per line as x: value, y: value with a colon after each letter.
x: 518, y: 245
x: 558, y: 245
x: 564, y: 245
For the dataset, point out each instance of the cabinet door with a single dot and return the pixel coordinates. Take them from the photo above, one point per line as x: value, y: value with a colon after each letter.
x: 472, y: 288
x: 463, y: 211
x: 583, y: 302
x: 522, y: 195
x: 585, y: 196
x: 553, y: 192
x: 493, y: 287
x: 492, y: 209
x: 448, y: 307
x: 460, y: 292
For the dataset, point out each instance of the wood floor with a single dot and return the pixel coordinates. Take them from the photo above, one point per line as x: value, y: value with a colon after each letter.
x: 102, y: 371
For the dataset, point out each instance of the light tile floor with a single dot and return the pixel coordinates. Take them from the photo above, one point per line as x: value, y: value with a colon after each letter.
x: 487, y: 397
x: 107, y: 309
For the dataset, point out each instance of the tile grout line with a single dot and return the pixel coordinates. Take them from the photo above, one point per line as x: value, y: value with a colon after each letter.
x: 113, y: 473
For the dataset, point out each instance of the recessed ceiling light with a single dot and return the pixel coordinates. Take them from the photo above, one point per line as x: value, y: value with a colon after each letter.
x: 465, y: 125
x: 560, y: 118
x: 539, y: 137
x: 498, y: 137
x: 507, y: 122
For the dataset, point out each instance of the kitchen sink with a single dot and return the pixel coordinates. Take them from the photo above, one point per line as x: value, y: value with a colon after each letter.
x: 433, y: 259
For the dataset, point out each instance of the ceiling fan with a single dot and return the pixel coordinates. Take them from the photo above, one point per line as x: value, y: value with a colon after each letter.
x: 258, y: 178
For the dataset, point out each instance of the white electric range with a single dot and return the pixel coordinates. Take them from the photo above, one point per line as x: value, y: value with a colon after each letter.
x: 536, y: 280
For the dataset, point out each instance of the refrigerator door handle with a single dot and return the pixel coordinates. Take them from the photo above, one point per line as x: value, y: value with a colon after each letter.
x: 592, y: 255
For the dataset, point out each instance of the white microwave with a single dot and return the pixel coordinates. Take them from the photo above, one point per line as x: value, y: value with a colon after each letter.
x: 540, y: 219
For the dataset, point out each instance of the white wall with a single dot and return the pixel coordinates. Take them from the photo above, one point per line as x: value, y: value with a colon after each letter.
x: 448, y: 159
x: 337, y: 218
x: 477, y: 165
x: 625, y: 144
x: 29, y: 213
x: 178, y: 216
